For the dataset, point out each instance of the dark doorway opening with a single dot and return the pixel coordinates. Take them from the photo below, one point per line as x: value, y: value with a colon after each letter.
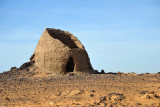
x: 70, y: 65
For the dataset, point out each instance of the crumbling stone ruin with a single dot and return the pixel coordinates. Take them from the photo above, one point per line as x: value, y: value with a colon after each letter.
x: 60, y: 52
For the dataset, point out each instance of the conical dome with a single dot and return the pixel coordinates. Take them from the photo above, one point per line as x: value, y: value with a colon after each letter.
x: 59, y: 52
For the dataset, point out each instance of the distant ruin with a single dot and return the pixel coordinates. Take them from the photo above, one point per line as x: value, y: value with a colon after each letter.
x: 60, y: 52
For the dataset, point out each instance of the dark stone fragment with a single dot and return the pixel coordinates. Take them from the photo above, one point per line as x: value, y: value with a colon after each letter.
x: 95, y: 103
x: 13, y: 68
x: 0, y: 90
x: 138, y: 104
x: 32, y: 57
x: 152, y: 92
x: 7, y: 99
x: 105, y: 104
x: 91, y: 95
x: 143, y: 92
x: 26, y: 65
x: 148, y: 97
x: 92, y: 91
x: 102, y: 71
x: 102, y: 99
x: 156, y: 96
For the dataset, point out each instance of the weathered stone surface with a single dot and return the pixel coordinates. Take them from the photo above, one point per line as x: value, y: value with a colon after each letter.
x: 59, y: 52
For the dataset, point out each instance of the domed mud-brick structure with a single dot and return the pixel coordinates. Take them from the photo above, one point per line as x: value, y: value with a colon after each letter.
x: 59, y: 52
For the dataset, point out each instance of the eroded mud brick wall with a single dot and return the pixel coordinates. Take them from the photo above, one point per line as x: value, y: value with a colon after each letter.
x: 60, y: 52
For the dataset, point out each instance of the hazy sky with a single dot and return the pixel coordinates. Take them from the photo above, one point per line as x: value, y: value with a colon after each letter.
x: 119, y: 35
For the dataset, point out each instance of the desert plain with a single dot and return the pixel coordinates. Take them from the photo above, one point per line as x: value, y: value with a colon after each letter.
x: 23, y: 88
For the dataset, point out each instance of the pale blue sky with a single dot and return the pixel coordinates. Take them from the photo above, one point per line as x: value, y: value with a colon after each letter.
x: 119, y: 35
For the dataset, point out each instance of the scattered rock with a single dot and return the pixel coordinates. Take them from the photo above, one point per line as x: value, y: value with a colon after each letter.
x: 58, y: 94
x: 26, y: 65
x: 0, y: 90
x: 116, y: 97
x: 92, y: 91
x: 148, y: 97
x: 119, y: 73
x: 152, y: 92
x: 32, y: 56
x: 102, y: 71
x: 70, y: 74
x: 108, y: 98
x: 143, y: 92
x: 92, y: 95
x: 13, y: 68
x: 73, y: 103
x: 105, y: 104
x: 102, y: 99
x: 60, y: 85
x: 115, y: 94
x: 156, y: 96
x: 7, y: 99
x: 119, y: 98
x: 111, y: 73
x: 96, y: 72
x: 95, y: 103
x: 138, y: 104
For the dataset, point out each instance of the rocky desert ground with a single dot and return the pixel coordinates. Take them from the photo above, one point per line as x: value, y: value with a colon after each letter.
x: 23, y: 88
x: 59, y: 74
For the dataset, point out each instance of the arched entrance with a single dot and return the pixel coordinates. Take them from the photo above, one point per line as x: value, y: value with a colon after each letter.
x: 70, y: 65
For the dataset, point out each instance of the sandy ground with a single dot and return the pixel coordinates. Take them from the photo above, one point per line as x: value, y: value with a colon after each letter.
x: 94, y: 90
